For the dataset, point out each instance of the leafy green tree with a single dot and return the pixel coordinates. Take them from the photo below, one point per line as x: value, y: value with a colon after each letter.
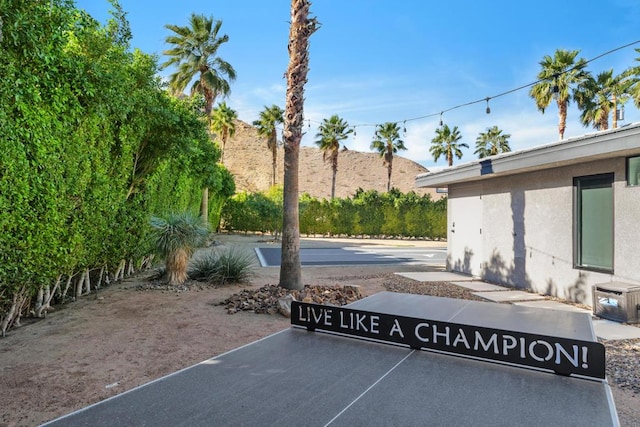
x: 270, y: 117
x: 331, y: 132
x: 223, y: 124
x: 195, y: 53
x: 445, y: 144
x: 559, y: 75
x: 492, y: 142
x: 387, y: 142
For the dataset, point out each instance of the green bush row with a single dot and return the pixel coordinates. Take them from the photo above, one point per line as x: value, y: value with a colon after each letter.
x: 91, y: 146
x: 368, y: 213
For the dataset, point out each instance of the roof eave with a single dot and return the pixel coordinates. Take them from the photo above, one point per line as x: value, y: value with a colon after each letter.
x: 602, y: 145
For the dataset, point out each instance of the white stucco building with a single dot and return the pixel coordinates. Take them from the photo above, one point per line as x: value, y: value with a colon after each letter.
x: 555, y: 219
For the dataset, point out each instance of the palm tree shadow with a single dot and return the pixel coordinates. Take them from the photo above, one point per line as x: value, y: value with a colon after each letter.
x: 461, y: 265
x: 497, y: 269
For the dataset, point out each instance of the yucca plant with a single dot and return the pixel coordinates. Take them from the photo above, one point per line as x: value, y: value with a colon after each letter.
x: 230, y: 265
x: 176, y: 239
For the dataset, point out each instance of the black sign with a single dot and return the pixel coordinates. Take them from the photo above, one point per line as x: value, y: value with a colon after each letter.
x: 563, y: 356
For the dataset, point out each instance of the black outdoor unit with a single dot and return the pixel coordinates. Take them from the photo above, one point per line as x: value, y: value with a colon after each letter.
x: 617, y: 301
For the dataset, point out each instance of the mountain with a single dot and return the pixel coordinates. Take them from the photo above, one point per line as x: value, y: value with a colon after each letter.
x: 248, y: 159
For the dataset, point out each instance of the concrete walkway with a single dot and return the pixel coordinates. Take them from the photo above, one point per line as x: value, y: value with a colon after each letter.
x: 604, y: 329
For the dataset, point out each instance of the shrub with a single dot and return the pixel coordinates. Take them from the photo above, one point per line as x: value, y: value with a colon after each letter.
x: 230, y: 265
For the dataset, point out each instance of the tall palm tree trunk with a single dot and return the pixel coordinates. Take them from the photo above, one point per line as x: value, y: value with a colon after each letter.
x: 274, y: 157
x: 301, y: 29
x: 562, y: 118
x: 614, y: 116
x: 334, y: 168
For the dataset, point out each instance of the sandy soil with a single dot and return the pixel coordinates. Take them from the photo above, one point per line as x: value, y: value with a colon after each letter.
x: 121, y: 337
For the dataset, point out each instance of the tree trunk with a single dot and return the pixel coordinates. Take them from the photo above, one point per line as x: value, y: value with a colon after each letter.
x: 13, y: 316
x: 562, y: 118
x: 177, y: 262
x: 204, y: 207
x: 333, y: 183
x: 301, y: 29
x: 614, y: 116
x: 274, y: 160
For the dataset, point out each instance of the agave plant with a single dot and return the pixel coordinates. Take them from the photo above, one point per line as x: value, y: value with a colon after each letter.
x: 176, y: 239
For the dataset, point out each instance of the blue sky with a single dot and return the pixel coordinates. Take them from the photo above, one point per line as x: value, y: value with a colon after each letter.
x: 374, y: 61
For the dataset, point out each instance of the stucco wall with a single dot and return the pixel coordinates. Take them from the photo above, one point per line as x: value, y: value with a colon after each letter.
x: 527, y: 230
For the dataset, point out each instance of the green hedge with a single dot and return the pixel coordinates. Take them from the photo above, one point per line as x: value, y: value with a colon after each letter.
x: 368, y: 213
x: 91, y: 146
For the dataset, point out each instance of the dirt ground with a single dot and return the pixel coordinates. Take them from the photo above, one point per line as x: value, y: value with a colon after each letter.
x: 121, y: 337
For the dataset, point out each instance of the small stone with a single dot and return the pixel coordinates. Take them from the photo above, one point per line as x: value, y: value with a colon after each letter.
x: 284, y: 305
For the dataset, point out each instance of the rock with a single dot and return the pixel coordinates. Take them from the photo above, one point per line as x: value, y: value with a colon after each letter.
x: 351, y: 289
x: 284, y: 305
x: 266, y: 299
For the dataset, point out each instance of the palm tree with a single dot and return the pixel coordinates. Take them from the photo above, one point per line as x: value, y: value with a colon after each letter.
x: 331, y: 132
x: 446, y: 144
x: 223, y: 124
x: 492, y: 142
x: 301, y: 28
x: 599, y: 96
x: 266, y: 124
x: 194, y: 51
x: 176, y: 239
x: 557, y: 78
x: 633, y: 74
x: 387, y: 142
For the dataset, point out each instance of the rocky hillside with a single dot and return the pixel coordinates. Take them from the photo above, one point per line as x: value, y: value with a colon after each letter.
x: 247, y: 157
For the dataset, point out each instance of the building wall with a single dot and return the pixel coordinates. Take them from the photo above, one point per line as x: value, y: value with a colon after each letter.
x: 527, y: 230
x: 464, y: 237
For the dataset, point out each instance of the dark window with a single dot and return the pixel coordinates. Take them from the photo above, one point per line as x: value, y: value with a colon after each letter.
x: 633, y: 170
x: 593, y: 232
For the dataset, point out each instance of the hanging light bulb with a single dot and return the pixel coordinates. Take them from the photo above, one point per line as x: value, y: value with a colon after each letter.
x: 488, y: 108
x: 405, y: 127
x: 354, y: 132
x: 440, y: 118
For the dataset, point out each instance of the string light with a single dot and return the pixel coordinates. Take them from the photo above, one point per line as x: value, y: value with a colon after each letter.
x: 555, y: 88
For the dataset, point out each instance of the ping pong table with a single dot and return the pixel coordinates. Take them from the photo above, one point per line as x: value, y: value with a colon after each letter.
x: 366, y: 364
